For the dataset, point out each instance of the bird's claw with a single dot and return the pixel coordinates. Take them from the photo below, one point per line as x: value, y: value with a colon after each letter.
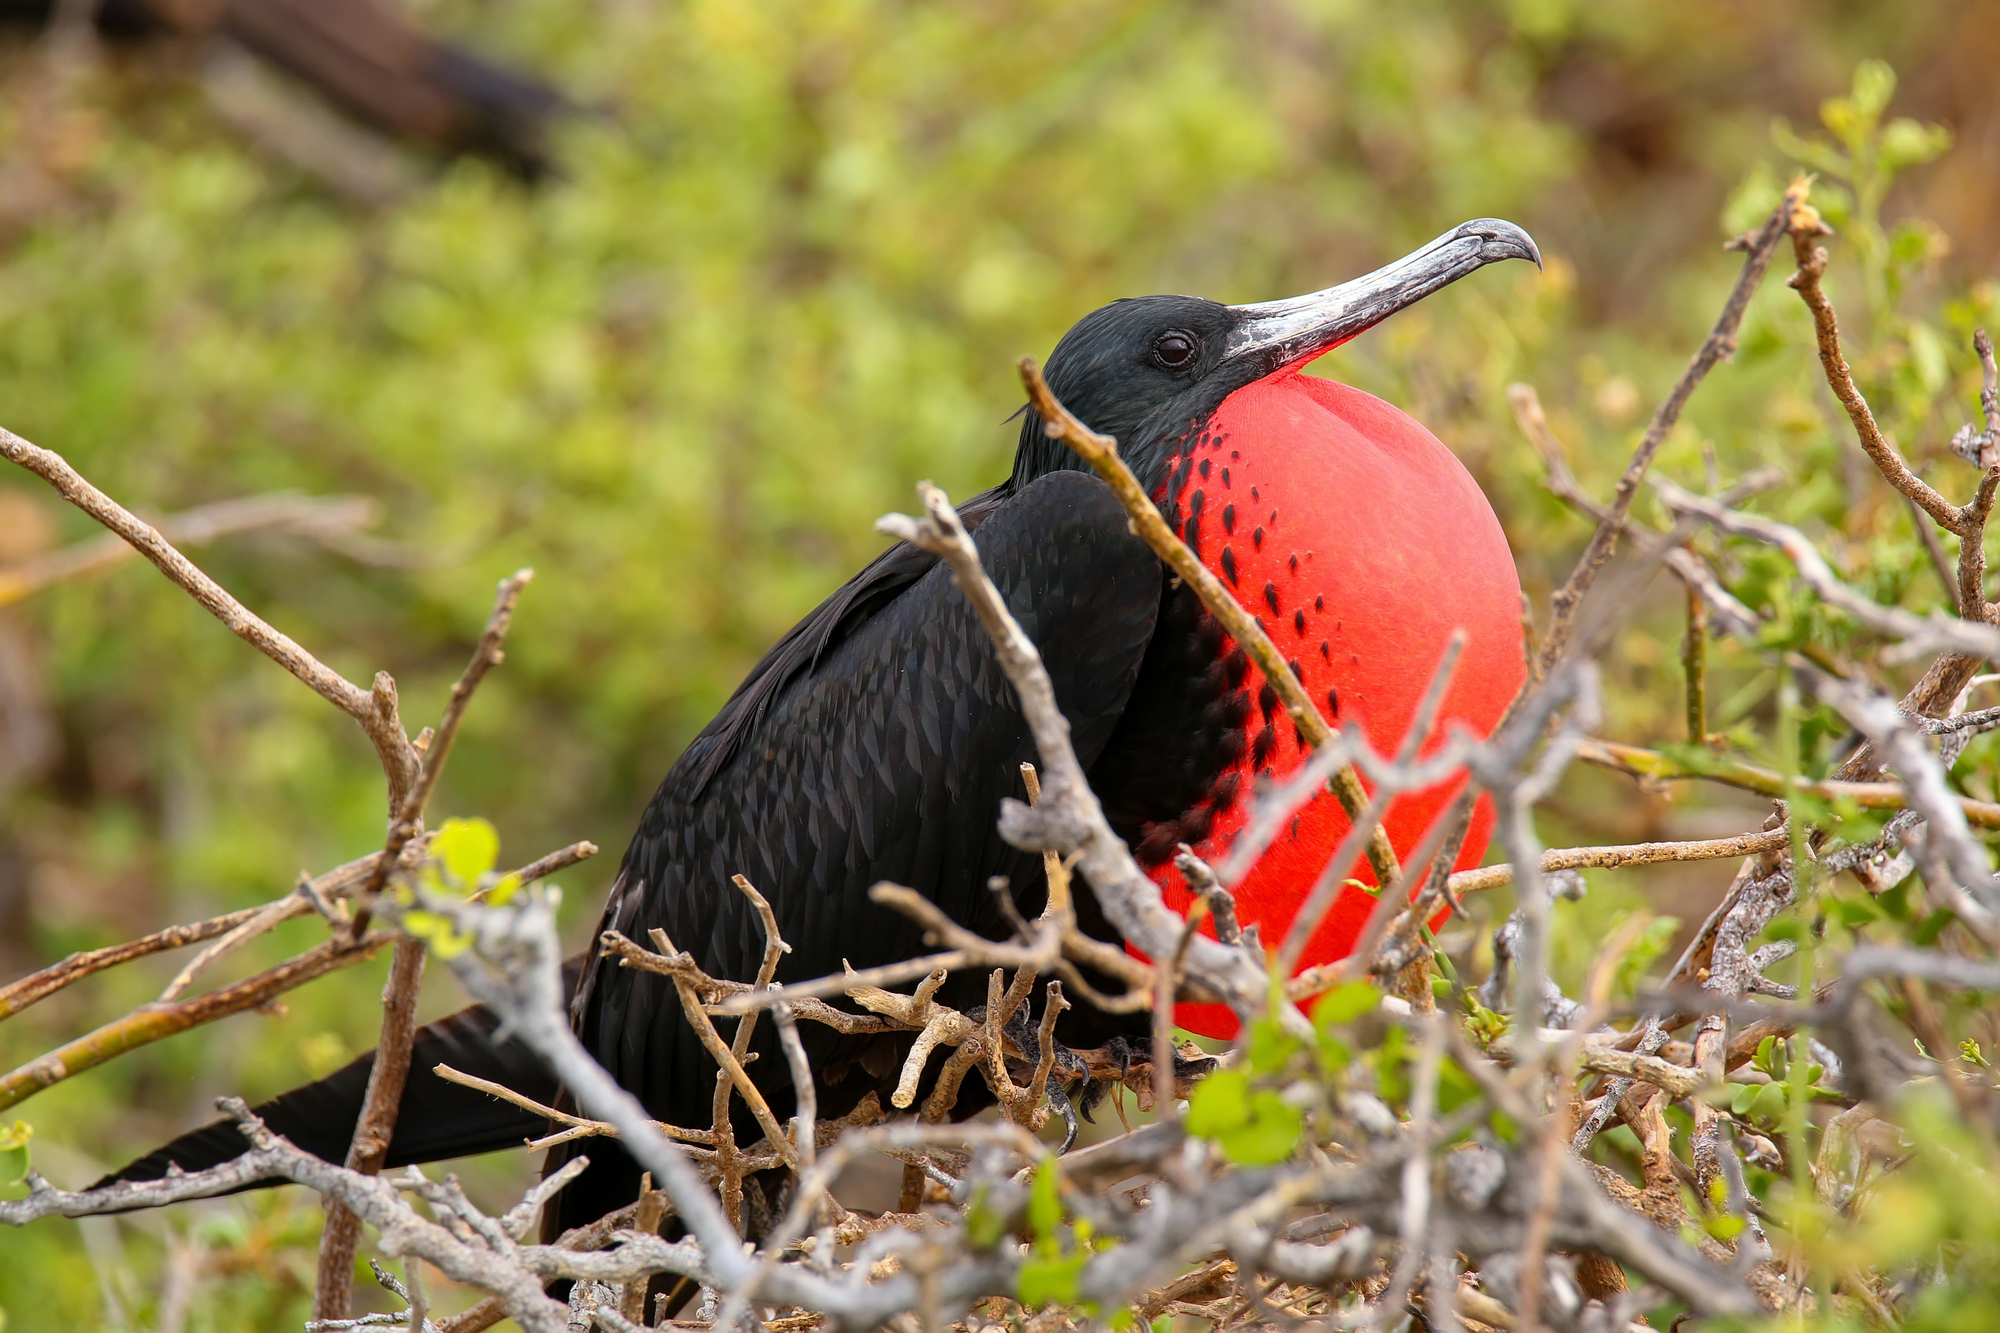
x: 1059, y: 1100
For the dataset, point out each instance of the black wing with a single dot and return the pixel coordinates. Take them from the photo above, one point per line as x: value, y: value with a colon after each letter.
x: 881, y: 754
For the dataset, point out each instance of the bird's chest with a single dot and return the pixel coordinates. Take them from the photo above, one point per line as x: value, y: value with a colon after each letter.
x: 1359, y: 543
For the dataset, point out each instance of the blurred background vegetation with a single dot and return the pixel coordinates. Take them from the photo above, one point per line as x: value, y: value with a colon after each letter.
x: 771, y: 265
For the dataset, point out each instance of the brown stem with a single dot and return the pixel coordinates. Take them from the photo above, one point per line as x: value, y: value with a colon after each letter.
x: 1948, y: 674
x: 1805, y: 231
x: 729, y: 1062
x: 553, y: 864
x: 1626, y: 854
x: 1694, y: 663
x: 391, y: 1070
x: 375, y: 1128
x: 37, y: 986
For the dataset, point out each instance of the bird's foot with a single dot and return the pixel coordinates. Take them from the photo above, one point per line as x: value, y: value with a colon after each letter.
x: 1060, y: 1103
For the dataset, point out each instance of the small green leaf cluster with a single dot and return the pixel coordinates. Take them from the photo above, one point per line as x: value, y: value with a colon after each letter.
x: 1866, y: 154
x: 1060, y: 1246
x: 14, y: 1140
x: 1253, y: 1109
x: 1899, y: 913
x: 462, y: 856
x: 1770, y: 1106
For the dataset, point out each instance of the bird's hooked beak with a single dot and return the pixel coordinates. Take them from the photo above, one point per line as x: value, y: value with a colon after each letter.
x: 1277, y: 334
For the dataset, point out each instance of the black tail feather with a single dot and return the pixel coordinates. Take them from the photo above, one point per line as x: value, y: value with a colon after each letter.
x: 437, y: 1119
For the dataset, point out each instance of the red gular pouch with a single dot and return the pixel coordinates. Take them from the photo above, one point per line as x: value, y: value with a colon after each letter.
x: 1360, y: 543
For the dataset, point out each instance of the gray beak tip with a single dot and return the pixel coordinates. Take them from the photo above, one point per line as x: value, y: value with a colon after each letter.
x: 1500, y: 239
x: 1288, y: 331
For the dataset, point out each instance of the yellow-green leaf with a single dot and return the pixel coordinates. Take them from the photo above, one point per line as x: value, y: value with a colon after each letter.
x: 467, y: 847
x: 1345, y: 1004
x: 14, y: 1151
x: 1269, y: 1136
x: 1221, y: 1103
x: 1045, y: 1281
x: 1045, y: 1210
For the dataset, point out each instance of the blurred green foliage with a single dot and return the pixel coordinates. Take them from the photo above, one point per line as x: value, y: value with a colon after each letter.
x: 783, y: 273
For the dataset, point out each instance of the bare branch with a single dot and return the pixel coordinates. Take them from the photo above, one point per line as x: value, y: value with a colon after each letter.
x: 145, y: 1026
x: 1651, y: 764
x: 374, y: 709
x: 1629, y: 854
x: 470, y: 1260
x: 553, y: 864
x: 1719, y: 346
x: 335, y: 885
x: 376, y: 1126
x: 1973, y: 638
x: 323, y: 518
x: 1805, y: 229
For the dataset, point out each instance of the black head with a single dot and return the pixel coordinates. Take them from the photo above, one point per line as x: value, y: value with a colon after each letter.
x: 1146, y: 369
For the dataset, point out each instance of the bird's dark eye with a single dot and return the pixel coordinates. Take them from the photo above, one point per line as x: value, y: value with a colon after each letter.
x: 1174, y: 350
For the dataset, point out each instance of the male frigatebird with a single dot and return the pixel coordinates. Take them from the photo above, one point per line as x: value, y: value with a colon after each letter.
x: 876, y: 740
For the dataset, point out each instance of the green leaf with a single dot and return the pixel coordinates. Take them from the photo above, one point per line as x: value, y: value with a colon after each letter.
x: 1853, y: 912
x: 1724, y: 1226
x: 1874, y: 85
x: 1334, y: 1052
x: 1044, y: 1280
x: 467, y: 847
x: 1045, y: 1210
x: 984, y: 1224
x: 1769, y: 1103
x: 1270, y: 1046
x: 1931, y: 927
x: 503, y: 889
x: 1455, y: 1086
x: 1485, y: 1025
x: 1252, y: 1127
x: 1895, y: 903
x: 1269, y: 1136
x: 1815, y: 153
x: 14, y: 1151
x: 1221, y: 1103
x: 1740, y: 1097
x: 1345, y: 1004
x: 1391, y: 1060
x: 437, y: 931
